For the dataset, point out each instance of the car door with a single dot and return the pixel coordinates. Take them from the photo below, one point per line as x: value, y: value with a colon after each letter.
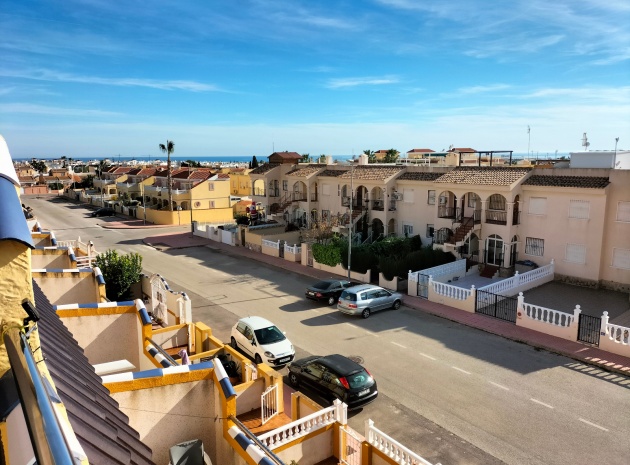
x: 383, y: 299
x: 247, y: 337
x: 331, y: 384
x: 312, y: 374
x: 373, y: 300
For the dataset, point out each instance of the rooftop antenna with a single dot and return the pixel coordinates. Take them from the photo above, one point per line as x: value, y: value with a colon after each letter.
x: 585, y: 142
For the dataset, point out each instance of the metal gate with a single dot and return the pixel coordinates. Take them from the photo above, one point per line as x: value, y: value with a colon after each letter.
x: 281, y: 249
x: 496, y: 305
x: 269, y: 403
x: 350, y: 445
x: 589, y: 328
x: 423, y: 286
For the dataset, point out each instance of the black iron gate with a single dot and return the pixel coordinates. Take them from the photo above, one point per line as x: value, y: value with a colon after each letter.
x: 589, y: 328
x: 496, y: 305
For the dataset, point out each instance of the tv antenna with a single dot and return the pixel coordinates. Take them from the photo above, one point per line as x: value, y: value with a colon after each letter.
x: 585, y: 142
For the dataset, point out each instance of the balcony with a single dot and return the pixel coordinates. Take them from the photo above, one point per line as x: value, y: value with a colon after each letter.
x: 313, y: 196
x: 273, y: 192
x: 446, y: 212
x: 345, y: 201
x: 300, y: 196
x: 516, y: 217
x: 259, y: 192
x: 378, y: 204
x: 153, y: 189
x: 496, y: 217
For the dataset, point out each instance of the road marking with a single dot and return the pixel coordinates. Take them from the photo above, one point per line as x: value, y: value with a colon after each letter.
x: 499, y: 386
x: 332, y: 317
x: 592, y: 424
x: 427, y: 356
x: 463, y: 371
x: 399, y: 345
x: 541, y: 403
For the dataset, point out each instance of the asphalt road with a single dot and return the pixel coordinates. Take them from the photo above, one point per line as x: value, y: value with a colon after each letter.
x: 453, y: 394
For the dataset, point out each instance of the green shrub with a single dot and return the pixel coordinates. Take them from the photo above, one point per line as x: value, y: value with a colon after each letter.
x: 327, y: 254
x: 119, y: 272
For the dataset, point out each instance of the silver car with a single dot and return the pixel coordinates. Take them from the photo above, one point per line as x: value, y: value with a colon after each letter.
x: 367, y: 298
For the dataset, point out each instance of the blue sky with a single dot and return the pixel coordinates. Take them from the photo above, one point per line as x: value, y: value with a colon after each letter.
x: 102, y: 78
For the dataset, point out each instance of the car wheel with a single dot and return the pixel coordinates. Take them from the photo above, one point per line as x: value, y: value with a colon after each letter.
x: 332, y: 300
x: 233, y: 343
x: 293, y: 379
x: 257, y: 359
x: 366, y: 313
x: 396, y: 305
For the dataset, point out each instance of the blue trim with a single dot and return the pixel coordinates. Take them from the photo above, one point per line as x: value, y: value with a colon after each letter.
x: 13, y: 225
x: 201, y: 366
x: 266, y: 461
x: 166, y: 364
x: 155, y: 373
x: 144, y: 316
x: 228, y: 390
x: 242, y: 441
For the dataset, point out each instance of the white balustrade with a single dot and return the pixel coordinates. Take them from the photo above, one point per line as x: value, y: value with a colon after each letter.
x: 616, y: 333
x: 456, y: 267
x: 70, y: 243
x: 271, y: 244
x: 392, y: 448
x: 295, y: 249
x: 299, y: 428
x: 547, y: 315
x: 453, y: 292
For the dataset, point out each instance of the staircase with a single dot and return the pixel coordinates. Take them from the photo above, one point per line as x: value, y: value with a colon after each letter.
x: 489, y: 271
x: 462, y: 232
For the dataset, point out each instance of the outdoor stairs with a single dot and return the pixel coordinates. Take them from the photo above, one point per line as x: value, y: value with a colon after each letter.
x: 489, y: 271
x: 462, y: 232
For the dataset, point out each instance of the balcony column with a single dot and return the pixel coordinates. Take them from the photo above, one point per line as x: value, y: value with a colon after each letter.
x: 509, y: 218
x: 483, y: 204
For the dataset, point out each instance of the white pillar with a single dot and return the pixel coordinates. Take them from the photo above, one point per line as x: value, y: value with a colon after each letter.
x: 576, y: 320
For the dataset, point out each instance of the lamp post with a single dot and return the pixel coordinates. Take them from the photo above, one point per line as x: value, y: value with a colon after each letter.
x: 350, y: 222
x: 616, y: 142
x: 192, y: 226
x: 144, y: 207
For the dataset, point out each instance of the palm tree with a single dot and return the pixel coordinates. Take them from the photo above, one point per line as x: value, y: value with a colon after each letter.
x: 168, y: 149
x: 371, y: 156
x: 391, y: 156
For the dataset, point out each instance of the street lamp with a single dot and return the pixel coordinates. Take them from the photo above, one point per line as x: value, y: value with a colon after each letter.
x: 144, y: 207
x: 350, y: 222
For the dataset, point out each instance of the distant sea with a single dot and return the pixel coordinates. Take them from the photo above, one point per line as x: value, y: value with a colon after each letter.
x: 248, y: 158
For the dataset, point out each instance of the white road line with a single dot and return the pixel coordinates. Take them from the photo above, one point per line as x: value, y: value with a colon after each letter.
x: 399, y: 345
x: 463, y: 371
x: 427, y: 356
x: 592, y: 424
x: 541, y: 403
x: 499, y: 386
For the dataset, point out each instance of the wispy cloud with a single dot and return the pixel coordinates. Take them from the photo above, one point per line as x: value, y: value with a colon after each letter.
x: 55, y: 76
x: 482, y: 89
x: 6, y: 90
x: 32, y: 109
x: 361, y: 81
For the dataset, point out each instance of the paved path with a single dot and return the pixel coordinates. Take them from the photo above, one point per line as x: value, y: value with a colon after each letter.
x: 577, y: 351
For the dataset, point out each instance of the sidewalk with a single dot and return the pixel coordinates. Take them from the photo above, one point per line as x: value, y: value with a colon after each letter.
x: 583, y: 353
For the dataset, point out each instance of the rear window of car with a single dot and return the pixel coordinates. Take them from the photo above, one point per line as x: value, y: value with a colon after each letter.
x: 323, y: 285
x: 351, y: 296
x: 359, y: 379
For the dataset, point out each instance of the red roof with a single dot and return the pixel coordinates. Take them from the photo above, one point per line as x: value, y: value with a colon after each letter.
x: 462, y: 149
x: 421, y: 151
x: 286, y: 155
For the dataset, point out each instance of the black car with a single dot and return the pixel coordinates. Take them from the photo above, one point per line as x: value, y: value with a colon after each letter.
x: 335, y: 377
x: 106, y: 211
x: 328, y: 290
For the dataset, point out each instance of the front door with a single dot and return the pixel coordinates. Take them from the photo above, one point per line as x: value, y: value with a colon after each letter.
x: 494, y: 251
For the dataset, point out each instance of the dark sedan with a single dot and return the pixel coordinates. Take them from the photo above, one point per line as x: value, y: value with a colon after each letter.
x: 328, y: 290
x: 335, y: 377
x: 104, y: 212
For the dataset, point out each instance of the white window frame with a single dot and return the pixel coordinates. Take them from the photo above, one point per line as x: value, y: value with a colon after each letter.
x: 537, y: 206
x: 430, y: 232
x: 623, y: 211
x: 577, y: 250
x: 285, y: 185
x: 408, y: 196
x: 579, y: 209
x: 407, y: 230
x: 621, y: 258
x: 533, y: 245
x: 431, y: 197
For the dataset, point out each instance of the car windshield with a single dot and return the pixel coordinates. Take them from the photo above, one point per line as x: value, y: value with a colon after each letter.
x: 269, y: 335
x: 351, y: 296
x: 322, y: 285
x: 359, y: 379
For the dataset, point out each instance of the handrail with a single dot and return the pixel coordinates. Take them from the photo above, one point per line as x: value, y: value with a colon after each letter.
x: 49, y: 443
x: 252, y: 437
x: 158, y: 347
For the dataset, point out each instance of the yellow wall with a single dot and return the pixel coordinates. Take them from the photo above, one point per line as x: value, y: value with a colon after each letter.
x: 202, y: 216
x: 240, y: 184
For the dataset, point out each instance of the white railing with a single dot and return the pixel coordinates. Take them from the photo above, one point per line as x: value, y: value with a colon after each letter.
x: 296, y: 249
x: 302, y: 427
x: 547, y: 315
x: 86, y: 262
x: 392, y: 448
x: 529, y: 277
x: 458, y: 266
x: 537, y: 274
x: 269, y: 403
x: 271, y: 244
x: 71, y: 243
x: 616, y: 333
x: 448, y: 290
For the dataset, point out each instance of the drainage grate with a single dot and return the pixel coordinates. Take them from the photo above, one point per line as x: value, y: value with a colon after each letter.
x: 356, y: 358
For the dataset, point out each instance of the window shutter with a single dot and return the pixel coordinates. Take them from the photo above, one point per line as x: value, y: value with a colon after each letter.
x: 579, y: 209
x: 621, y: 258
x: 408, y: 195
x: 623, y: 212
x: 575, y: 253
x: 538, y: 206
x: 325, y: 189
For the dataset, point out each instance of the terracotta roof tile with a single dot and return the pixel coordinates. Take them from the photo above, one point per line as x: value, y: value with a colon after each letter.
x: 421, y: 151
x: 332, y: 173
x: 200, y: 175
x: 134, y: 171
x: 262, y: 169
x: 305, y: 171
x: 372, y: 173
x: 287, y: 155
x: 485, y: 176
x: 586, y: 182
x: 101, y: 428
x: 462, y: 149
x: 419, y: 176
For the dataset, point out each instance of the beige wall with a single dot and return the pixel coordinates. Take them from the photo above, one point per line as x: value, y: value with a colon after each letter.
x: 95, y: 333
x: 248, y: 395
x: 616, y: 233
x: 317, y: 448
x: 68, y: 288
x: 50, y: 258
x: 417, y: 213
x: 167, y: 415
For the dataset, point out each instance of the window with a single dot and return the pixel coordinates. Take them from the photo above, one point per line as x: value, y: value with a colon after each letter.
x: 443, y: 199
x: 212, y: 204
x: 472, y: 200
x: 575, y: 253
x: 431, y: 198
x: 211, y: 186
x: 538, y: 206
x: 430, y: 230
x: 621, y: 258
x: 579, y: 209
x: 325, y: 189
x: 408, y: 195
x: 407, y: 230
x: 623, y: 212
x: 534, y: 246
x: 497, y: 202
x: 285, y: 185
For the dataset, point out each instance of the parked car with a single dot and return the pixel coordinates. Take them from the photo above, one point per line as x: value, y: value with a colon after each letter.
x: 367, y: 298
x: 328, y: 290
x: 335, y: 377
x: 262, y: 340
x: 106, y: 211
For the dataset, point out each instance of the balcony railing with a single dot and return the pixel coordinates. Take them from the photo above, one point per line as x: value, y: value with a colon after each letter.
x: 48, y: 441
x: 516, y: 217
x: 273, y: 192
x: 313, y: 196
x: 151, y: 189
x: 446, y: 212
x: 378, y: 204
x: 259, y: 192
x: 477, y: 216
x: 496, y: 217
x: 299, y: 196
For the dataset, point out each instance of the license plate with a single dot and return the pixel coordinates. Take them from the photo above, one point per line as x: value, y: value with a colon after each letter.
x: 362, y: 393
x: 311, y: 293
x: 283, y: 360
